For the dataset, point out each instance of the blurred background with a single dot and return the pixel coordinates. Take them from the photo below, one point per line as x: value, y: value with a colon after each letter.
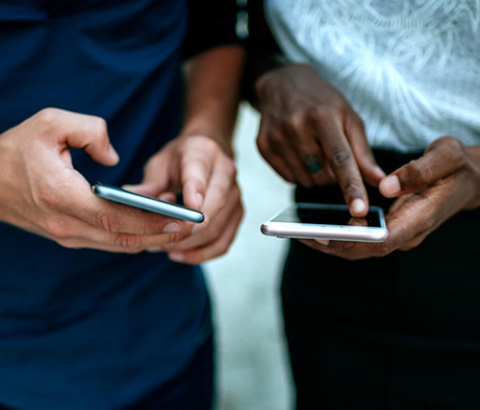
x: 253, y: 372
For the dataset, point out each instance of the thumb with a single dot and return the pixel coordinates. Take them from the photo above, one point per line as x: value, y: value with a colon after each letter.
x: 81, y: 131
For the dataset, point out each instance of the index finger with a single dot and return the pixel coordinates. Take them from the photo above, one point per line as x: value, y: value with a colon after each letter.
x: 337, y: 150
x: 196, y: 169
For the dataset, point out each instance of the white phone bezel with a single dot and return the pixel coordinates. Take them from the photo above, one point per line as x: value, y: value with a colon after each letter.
x: 330, y: 232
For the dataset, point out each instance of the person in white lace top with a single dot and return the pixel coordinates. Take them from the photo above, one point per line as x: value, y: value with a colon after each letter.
x: 378, y: 102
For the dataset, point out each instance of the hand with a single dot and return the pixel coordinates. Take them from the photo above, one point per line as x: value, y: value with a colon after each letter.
x: 41, y: 192
x: 198, y: 168
x: 310, y: 134
x: 430, y: 190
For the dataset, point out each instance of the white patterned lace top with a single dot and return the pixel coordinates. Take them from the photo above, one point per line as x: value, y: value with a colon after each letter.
x: 410, y: 68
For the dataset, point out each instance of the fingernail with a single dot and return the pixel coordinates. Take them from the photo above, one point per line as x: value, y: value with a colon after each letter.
x: 390, y: 186
x: 324, y: 242
x: 155, y: 249
x: 114, y: 154
x: 177, y: 257
x: 128, y: 187
x: 357, y: 206
x: 199, y: 198
x: 172, y: 227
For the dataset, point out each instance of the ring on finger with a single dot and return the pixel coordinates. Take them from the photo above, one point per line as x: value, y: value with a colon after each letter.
x: 312, y: 163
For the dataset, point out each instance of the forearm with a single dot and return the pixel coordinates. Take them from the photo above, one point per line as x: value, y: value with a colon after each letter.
x: 212, y: 94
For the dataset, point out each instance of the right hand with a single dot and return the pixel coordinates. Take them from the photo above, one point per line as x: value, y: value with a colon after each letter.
x: 311, y: 135
x: 42, y: 193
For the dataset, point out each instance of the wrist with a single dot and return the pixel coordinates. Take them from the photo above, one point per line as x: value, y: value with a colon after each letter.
x: 220, y: 139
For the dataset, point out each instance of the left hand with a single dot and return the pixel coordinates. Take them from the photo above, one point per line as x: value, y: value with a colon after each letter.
x: 430, y: 190
x: 197, y: 167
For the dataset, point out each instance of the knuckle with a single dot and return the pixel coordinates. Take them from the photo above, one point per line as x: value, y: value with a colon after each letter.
x: 357, y: 122
x: 128, y: 242
x: 340, y: 157
x: 50, y: 199
x: 230, y: 169
x: 107, y: 222
x: 383, y: 249
x: 276, y: 138
x: 263, y: 144
x: 414, y: 172
x: 99, y: 127
x: 174, y: 237
x: 455, y: 149
x: 57, y: 230
x: 47, y: 116
x: 425, y: 224
x: 322, y: 113
x: 208, y: 144
x: 46, y: 121
x: 353, y: 187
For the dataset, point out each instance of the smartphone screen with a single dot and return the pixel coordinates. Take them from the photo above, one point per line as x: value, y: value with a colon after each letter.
x: 327, y: 216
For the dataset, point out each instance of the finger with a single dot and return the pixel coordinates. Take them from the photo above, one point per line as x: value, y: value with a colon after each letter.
x: 168, y: 197
x: 342, y: 162
x: 291, y: 147
x: 280, y: 167
x: 442, y: 158
x: 325, y: 176
x: 196, y: 170
x: 355, y: 132
x: 321, y: 245
x: 205, y: 234
x: 412, y: 219
x: 79, y: 131
x: 71, y: 232
x: 276, y: 161
x: 303, y: 153
x: 221, y: 187
x: 358, y: 222
x: 213, y: 250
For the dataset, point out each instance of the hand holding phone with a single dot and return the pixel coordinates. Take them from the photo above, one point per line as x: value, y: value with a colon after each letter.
x: 146, y: 203
x: 325, y: 221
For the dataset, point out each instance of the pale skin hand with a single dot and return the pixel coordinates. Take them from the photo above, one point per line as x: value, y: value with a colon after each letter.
x: 310, y: 134
x: 430, y: 190
x: 199, y: 162
x: 206, y: 176
x: 41, y: 192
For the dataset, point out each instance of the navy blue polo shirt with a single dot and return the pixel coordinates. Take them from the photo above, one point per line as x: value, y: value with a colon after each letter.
x: 84, y: 329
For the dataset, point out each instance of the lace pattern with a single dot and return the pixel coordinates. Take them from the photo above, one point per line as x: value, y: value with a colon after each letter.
x: 411, y: 68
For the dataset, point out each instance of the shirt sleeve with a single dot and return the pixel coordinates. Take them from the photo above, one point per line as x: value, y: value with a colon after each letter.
x: 211, y: 24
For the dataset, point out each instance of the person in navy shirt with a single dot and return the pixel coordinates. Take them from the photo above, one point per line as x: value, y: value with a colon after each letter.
x: 103, y: 306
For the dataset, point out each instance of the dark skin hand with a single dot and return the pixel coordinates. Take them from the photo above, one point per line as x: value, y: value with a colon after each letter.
x: 430, y: 190
x: 310, y: 134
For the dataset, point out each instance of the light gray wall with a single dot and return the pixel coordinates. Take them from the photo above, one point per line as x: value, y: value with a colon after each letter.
x: 252, y: 365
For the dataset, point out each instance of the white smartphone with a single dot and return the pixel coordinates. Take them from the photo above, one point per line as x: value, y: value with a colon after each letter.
x: 146, y: 203
x: 325, y: 221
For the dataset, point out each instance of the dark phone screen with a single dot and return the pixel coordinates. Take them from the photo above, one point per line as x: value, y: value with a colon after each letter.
x: 321, y: 216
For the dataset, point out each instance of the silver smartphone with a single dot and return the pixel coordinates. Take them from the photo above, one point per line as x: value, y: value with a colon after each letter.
x: 146, y: 203
x: 325, y: 221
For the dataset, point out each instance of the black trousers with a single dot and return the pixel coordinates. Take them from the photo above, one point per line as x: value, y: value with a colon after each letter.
x: 399, y: 332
